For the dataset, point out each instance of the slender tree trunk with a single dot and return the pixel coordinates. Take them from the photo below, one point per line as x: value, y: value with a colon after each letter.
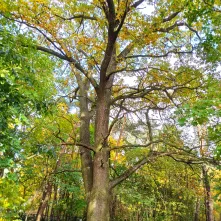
x: 48, y: 190
x: 208, y: 198
x: 44, y: 201
x: 1, y: 172
x: 197, y: 210
x: 202, y: 134
x: 113, y: 206
x: 46, y: 214
x: 54, y: 201
x: 86, y: 158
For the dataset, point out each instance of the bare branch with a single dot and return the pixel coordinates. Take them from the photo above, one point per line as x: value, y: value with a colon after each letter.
x: 52, y: 52
x: 125, y: 51
x: 78, y: 144
x: 187, y: 161
x: 135, y: 145
x: 178, y: 24
x: 134, y: 168
x: 152, y: 156
x: 127, y: 173
x: 137, y: 93
x: 82, y: 16
x: 160, y: 56
x: 66, y: 171
x: 116, y: 118
x: 170, y: 17
x: 137, y: 3
x: 168, y: 29
x: 193, y: 30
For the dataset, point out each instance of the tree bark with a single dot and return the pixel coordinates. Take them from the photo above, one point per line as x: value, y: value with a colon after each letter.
x: 86, y: 158
x: 197, y: 210
x: 98, y: 208
x: 48, y: 189
x: 208, y: 197
x: 44, y: 201
x: 1, y: 172
x: 54, y: 201
x: 113, y: 206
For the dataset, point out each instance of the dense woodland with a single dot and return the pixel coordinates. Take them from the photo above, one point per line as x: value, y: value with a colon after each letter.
x: 110, y: 110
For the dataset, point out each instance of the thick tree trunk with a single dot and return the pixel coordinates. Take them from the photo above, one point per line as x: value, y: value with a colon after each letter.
x: 99, y: 208
x: 208, y: 197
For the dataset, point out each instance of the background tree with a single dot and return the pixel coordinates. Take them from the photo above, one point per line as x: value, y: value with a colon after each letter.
x: 26, y: 90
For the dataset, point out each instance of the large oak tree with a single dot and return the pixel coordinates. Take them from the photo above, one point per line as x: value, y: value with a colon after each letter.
x: 107, y: 41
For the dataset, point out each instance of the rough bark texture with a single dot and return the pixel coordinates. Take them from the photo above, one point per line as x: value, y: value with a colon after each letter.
x: 98, y: 209
x: 99, y: 200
